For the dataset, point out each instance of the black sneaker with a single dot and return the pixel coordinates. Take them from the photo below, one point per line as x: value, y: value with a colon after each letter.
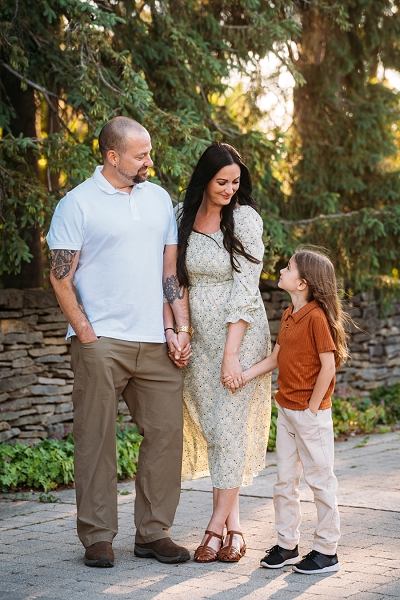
x: 278, y: 557
x: 316, y: 562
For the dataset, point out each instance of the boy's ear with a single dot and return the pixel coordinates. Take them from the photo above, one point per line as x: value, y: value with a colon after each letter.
x: 302, y: 285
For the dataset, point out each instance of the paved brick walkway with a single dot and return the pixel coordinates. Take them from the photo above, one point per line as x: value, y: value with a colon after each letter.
x: 41, y: 557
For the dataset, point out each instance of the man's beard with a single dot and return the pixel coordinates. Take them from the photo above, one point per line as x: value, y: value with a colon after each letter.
x: 140, y: 177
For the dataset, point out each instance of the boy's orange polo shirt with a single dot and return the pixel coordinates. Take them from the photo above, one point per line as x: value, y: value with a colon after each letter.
x: 302, y: 337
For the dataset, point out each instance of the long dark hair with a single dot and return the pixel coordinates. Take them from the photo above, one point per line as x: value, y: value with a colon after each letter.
x: 216, y: 157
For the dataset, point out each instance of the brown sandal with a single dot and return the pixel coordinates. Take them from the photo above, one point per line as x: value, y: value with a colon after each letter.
x: 205, y: 554
x: 229, y: 553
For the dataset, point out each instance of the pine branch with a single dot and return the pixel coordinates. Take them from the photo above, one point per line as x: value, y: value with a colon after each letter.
x: 35, y: 86
x: 108, y: 85
x: 236, y: 26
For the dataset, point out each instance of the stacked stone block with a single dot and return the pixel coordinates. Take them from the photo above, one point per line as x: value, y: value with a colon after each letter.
x: 35, y: 373
x: 36, y: 378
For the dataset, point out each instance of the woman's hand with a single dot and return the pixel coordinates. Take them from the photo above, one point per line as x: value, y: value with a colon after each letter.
x: 227, y: 381
x: 231, y: 370
x: 179, y: 348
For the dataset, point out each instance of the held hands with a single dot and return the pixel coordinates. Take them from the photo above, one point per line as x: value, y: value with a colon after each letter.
x: 228, y: 382
x: 232, y: 376
x: 179, y: 348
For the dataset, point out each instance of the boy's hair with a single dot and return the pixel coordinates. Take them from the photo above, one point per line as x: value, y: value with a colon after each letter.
x: 319, y: 273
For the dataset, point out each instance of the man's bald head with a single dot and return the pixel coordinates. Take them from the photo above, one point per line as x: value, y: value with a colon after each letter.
x: 115, y: 135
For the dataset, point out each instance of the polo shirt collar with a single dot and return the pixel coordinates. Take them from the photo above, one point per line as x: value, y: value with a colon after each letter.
x: 302, y: 312
x: 106, y: 186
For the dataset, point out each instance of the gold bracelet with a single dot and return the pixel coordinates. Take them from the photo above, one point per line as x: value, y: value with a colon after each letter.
x: 185, y: 329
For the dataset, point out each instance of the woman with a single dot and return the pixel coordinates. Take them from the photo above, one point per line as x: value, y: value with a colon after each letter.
x: 220, y: 260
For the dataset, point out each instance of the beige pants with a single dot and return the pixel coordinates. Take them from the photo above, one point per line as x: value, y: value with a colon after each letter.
x: 305, y: 443
x: 151, y: 386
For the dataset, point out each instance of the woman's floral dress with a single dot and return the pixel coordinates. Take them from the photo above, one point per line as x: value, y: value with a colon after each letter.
x: 225, y: 434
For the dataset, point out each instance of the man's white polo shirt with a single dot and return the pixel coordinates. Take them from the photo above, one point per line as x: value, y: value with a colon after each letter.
x: 121, y: 239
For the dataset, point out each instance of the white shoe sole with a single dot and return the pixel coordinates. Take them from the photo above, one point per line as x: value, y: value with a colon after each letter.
x: 289, y: 561
x: 331, y: 569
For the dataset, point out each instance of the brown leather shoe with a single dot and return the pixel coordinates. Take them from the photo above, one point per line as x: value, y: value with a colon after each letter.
x: 99, y: 554
x: 164, y: 550
x: 230, y: 553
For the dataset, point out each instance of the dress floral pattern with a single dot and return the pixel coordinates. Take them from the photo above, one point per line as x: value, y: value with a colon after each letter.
x: 225, y: 434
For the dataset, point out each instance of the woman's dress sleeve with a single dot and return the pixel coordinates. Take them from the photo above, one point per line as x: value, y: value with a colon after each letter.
x: 245, y: 296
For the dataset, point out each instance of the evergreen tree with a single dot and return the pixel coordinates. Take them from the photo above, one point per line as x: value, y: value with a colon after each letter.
x: 67, y: 66
x: 343, y: 136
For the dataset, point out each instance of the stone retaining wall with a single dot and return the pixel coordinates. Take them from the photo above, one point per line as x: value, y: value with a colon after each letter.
x: 36, y: 378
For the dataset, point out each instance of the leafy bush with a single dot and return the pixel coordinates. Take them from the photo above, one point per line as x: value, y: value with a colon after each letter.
x: 128, y: 442
x: 354, y: 412
x: 50, y: 463
x: 349, y: 416
x: 46, y: 465
x: 390, y: 396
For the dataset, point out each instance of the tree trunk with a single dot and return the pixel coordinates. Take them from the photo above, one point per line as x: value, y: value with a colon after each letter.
x: 24, y: 104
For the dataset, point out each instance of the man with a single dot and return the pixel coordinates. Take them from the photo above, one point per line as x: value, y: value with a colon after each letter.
x: 113, y: 242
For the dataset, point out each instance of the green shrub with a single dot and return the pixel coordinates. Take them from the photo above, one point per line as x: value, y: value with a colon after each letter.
x: 354, y: 412
x: 128, y: 442
x: 44, y: 466
x: 390, y: 397
x: 50, y: 463
x: 349, y: 417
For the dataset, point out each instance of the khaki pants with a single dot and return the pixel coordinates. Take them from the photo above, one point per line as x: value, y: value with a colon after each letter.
x: 151, y: 386
x: 305, y: 443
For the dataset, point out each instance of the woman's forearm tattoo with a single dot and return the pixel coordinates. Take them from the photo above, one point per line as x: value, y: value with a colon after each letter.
x: 172, y: 290
x: 61, y: 262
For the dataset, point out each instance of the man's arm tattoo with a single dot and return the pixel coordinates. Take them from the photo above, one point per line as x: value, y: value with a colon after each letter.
x: 61, y: 262
x: 172, y: 290
x: 79, y: 299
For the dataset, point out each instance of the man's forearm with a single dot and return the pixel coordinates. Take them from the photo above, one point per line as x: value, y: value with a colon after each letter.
x: 178, y: 299
x: 63, y: 264
x: 71, y: 304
